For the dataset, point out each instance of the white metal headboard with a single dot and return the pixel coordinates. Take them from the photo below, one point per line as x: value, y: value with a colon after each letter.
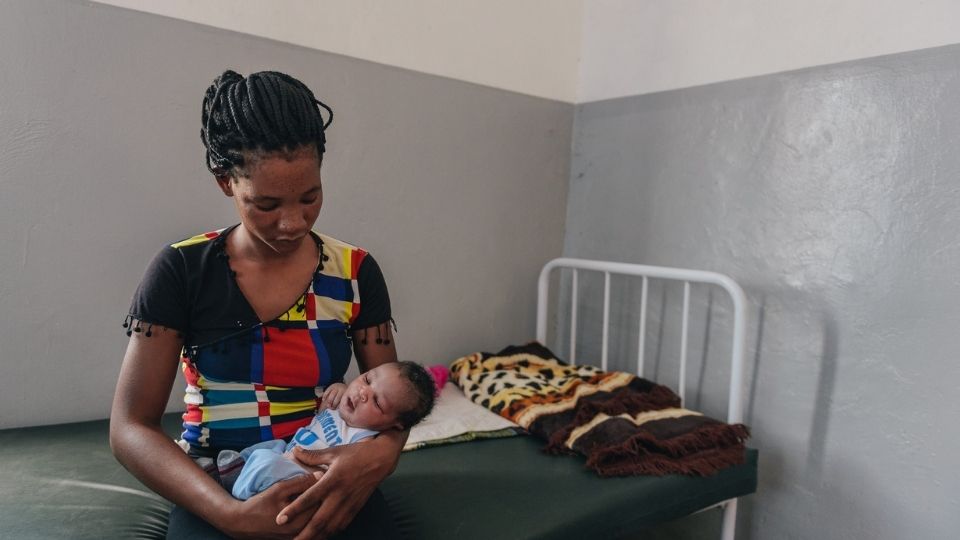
x: 735, y: 409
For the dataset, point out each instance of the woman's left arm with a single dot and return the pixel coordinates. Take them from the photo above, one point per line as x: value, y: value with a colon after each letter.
x: 353, y: 471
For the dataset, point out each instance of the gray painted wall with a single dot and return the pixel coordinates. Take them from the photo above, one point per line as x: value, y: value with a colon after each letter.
x: 457, y: 189
x: 833, y: 195
x: 830, y: 193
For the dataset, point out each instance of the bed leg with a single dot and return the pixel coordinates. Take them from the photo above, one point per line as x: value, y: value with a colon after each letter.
x: 729, y: 520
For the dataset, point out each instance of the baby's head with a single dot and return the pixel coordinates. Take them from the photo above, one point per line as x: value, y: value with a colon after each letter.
x: 395, y: 395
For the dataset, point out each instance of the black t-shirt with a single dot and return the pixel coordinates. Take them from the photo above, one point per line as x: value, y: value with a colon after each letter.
x: 250, y: 380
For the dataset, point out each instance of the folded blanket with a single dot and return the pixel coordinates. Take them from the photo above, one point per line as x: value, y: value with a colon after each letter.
x: 456, y: 419
x: 622, y: 423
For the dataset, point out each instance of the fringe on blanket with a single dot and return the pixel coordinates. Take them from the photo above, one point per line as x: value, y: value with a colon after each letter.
x: 622, y: 424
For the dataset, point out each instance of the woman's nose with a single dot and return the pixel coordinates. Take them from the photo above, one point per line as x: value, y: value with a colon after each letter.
x: 292, y: 221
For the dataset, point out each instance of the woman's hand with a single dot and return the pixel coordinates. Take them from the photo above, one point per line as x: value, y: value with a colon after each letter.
x: 353, y: 472
x: 256, y: 517
x: 332, y: 395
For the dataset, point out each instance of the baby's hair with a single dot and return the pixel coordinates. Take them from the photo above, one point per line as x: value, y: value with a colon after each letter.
x: 265, y: 112
x: 422, y: 385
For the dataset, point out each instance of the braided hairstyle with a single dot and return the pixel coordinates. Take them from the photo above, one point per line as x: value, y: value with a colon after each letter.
x: 265, y: 112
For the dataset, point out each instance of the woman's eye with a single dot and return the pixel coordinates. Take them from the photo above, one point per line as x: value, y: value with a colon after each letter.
x: 309, y: 201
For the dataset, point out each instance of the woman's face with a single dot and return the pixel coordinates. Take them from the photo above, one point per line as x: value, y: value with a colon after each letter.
x: 279, y: 198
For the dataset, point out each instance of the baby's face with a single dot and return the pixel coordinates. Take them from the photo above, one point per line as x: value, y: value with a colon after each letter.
x: 375, y: 398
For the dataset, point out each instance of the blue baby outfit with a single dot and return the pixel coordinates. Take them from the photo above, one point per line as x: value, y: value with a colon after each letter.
x: 265, y: 463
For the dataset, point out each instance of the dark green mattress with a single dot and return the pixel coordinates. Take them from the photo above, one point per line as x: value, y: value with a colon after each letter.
x: 62, y: 482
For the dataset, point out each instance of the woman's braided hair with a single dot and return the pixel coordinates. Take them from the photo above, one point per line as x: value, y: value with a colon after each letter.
x: 265, y: 112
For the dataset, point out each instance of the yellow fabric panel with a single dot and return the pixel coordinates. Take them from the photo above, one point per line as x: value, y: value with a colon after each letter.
x: 277, y: 409
x: 198, y: 239
x: 230, y: 411
x: 330, y: 309
x: 293, y: 314
x: 339, y: 264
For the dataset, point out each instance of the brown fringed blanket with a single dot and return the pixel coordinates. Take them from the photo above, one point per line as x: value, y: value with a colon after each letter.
x: 623, y: 424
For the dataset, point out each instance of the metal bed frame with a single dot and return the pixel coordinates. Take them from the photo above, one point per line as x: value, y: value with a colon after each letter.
x: 735, y: 396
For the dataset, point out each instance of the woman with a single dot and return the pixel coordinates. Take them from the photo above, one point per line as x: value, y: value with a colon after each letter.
x: 261, y: 315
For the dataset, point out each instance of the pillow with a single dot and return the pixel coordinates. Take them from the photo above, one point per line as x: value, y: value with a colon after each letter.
x: 456, y: 419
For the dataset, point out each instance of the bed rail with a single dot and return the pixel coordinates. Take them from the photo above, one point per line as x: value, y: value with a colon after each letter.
x: 737, y: 370
x: 735, y: 401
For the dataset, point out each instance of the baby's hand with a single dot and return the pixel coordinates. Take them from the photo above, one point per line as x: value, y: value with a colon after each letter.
x: 332, y: 395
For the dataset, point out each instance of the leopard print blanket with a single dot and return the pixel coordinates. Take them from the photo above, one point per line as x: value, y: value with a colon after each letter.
x: 622, y: 423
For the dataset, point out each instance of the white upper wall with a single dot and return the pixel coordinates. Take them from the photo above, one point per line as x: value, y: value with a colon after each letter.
x: 640, y: 46
x: 530, y: 46
x: 587, y: 50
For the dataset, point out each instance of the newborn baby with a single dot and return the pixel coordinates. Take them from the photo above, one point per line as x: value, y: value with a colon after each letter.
x: 395, y: 395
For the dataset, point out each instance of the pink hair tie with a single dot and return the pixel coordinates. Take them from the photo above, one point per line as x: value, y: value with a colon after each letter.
x: 439, y: 373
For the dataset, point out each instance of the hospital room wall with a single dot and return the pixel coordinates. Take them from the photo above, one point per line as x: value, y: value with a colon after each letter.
x: 530, y: 47
x: 459, y: 190
x: 832, y: 194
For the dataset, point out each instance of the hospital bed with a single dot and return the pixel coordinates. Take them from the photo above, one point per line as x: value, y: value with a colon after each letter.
x: 62, y: 481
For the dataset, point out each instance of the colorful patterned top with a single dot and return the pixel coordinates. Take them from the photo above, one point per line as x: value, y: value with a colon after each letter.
x: 250, y: 381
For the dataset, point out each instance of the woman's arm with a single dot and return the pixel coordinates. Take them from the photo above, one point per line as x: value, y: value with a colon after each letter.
x: 138, y: 442
x: 353, y: 471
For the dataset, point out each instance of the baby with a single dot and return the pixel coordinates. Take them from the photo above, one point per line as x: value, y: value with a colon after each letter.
x: 394, y: 395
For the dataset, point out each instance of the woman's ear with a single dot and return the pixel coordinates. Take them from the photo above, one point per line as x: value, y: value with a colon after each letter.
x: 226, y: 184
